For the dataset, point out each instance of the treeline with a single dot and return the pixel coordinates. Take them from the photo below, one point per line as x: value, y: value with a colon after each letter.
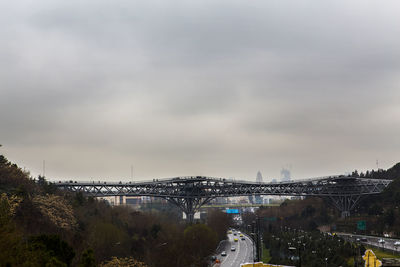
x: 42, y: 226
x: 294, y: 247
x: 307, y: 214
x: 381, y: 212
x: 391, y: 173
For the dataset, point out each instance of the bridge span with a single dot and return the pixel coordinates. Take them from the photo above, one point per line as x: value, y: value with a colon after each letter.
x: 189, y: 193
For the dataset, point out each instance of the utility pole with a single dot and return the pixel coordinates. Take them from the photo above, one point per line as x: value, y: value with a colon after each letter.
x: 260, y: 246
x: 254, y: 237
x: 44, y: 168
x: 257, y: 238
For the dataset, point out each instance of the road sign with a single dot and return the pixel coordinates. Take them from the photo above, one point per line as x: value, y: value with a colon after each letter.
x: 232, y: 211
x: 361, y: 225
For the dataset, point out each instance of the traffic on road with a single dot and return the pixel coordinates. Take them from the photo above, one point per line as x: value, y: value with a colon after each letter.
x: 381, y: 242
x: 237, y: 250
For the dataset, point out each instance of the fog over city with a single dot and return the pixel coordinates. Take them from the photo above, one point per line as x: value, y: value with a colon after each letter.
x: 215, y: 88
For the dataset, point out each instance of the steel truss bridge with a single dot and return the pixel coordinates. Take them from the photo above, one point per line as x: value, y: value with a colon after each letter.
x: 191, y: 192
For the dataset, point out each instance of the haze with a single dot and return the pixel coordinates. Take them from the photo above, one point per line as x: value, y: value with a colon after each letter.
x: 216, y: 88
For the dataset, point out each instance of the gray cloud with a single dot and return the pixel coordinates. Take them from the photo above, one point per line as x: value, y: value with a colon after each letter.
x: 202, y: 87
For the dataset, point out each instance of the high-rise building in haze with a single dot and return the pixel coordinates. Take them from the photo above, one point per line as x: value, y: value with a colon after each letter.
x: 259, y: 178
x: 258, y: 199
x: 285, y: 175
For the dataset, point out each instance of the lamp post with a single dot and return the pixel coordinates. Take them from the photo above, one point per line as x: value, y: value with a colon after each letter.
x: 291, y: 249
x: 254, y: 243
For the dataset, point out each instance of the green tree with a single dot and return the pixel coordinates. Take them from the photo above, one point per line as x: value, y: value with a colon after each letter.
x: 52, y: 246
x: 200, y: 241
x: 219, y: 222
x: 54, y: 262
x: 87, y: 259
x: 108, y: 240
x: 389, y: 217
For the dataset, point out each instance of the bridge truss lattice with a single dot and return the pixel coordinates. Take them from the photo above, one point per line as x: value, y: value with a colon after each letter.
x: 190, y: 193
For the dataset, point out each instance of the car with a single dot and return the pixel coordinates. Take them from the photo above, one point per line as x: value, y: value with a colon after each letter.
x: 364, y: 239
x: 243, y: 238
x: 241, y: 235
x: 381, y: 241
x: 358, y: 239
x: 397, y: 243
x: 234, y: 234
x: 236, y: 240
x: 223, y: 253
x: 233, y: 248
x: 229, y: 232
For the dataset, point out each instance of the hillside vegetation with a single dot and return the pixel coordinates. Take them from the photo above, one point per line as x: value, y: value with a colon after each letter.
x: 381, y: 212
x: 42, y: 226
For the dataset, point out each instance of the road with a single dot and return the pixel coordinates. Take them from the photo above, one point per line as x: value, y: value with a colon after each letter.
x: 242, y: 254
x: 372, y: 240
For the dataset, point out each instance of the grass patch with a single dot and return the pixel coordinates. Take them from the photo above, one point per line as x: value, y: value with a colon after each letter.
x: 350, y: 262
x: 383, y: 254
x: 265, y: 255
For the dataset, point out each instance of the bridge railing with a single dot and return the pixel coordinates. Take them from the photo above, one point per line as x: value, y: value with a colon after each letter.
x: 205, y: 178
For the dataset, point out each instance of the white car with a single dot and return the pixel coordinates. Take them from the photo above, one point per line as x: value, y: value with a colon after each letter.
x: 223, y: 253
x: 397, y: 243
x: 233, y: 248
x: 381, y: 241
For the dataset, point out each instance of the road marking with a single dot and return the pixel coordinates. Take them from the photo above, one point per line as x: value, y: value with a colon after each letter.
x: 230, y: 237
x: 237, y: 254
x: 235, y: 260
x: 245, y: 254
x: 250, y: 254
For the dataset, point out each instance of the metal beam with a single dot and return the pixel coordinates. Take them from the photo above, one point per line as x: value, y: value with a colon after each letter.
x: 190, y: 193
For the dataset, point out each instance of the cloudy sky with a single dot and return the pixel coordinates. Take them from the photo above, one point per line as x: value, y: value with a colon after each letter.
x: 216, y: 88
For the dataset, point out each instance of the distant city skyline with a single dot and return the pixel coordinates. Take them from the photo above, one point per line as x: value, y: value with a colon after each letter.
x: 140, y: 90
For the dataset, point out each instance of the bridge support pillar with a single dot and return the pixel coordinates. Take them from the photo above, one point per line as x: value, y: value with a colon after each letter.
x: 189, y: 205
x: 345, y: 203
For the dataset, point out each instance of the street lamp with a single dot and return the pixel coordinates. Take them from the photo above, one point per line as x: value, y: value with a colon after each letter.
x: 291, y: 249
x: 254, y: 243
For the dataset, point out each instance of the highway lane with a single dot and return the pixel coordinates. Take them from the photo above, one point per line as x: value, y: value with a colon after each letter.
x: 242, y: 254
x: 372, y: 240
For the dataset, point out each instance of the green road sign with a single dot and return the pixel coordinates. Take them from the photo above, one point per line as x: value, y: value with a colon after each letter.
x: 361, y: 225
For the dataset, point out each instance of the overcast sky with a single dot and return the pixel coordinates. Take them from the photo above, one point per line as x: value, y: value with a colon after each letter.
x: 216, y: 88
